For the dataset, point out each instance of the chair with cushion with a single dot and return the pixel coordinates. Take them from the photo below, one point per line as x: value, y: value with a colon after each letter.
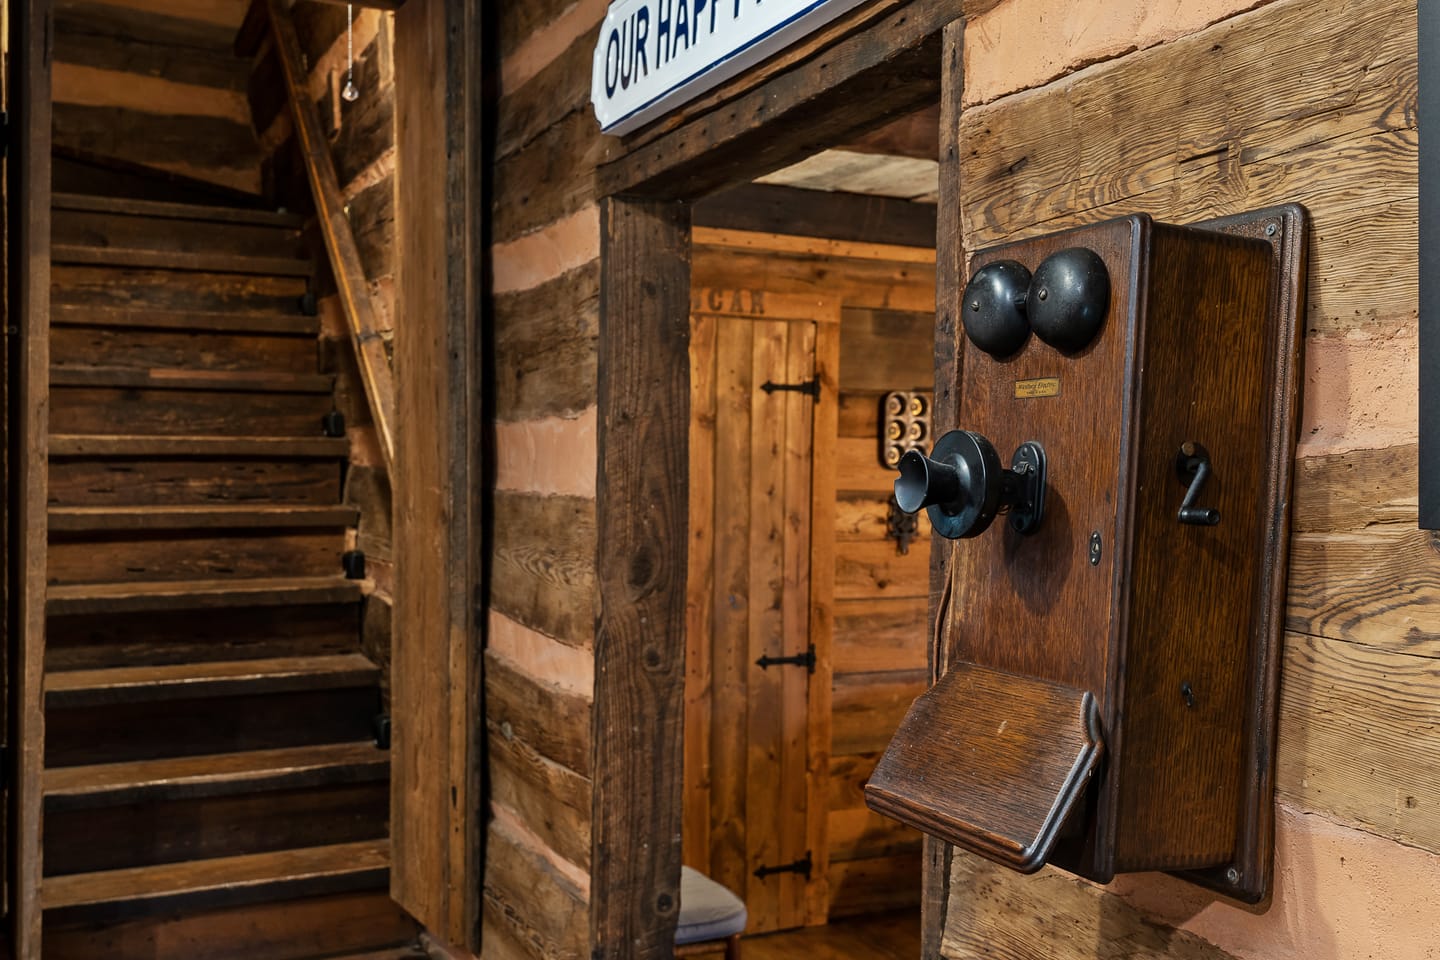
x: 710, y: 917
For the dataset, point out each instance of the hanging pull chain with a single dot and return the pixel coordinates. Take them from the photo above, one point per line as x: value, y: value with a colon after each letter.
x: 350, y: 93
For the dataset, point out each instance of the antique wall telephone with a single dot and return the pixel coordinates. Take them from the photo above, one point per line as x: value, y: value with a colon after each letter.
x: 1108, y: 656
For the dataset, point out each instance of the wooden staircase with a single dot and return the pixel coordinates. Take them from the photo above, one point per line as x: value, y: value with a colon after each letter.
x: 209, y: 716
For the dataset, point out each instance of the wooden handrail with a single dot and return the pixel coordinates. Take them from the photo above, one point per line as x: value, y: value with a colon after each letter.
x: 339, y: 239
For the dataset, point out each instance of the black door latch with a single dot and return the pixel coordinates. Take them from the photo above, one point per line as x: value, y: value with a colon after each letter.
x: 811, y: 386
x: 801, y: 866
x: 806, y: 659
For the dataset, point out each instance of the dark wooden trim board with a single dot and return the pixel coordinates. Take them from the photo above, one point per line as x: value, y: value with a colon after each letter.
x: 29, y: 272
x: 867, y: 79
x: 644, y: 421
x: 949, y: 284
x: 818, y: 213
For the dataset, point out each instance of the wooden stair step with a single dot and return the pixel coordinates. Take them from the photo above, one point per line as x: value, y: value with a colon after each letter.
x: 203, y: 321
x: 74, y: 253
x: 229, y: 381
x: 394, y: 953
x: 189, y: 211
x: 313, y: 870
x: 249, y: 771
x: 133, y: 597
x: 107, y: 445
x: 216, y: 678
x: 218, y: 516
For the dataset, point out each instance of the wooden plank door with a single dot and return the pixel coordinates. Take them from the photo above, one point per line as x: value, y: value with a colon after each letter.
x: 27, y: 187
x: 757, y: 736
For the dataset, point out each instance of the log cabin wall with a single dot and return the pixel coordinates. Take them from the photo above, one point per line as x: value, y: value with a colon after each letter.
x: 362, y: 142
x: 1190, y: 111
x: 878, y: 650
x: 540, y: 654
x: 152, y: 85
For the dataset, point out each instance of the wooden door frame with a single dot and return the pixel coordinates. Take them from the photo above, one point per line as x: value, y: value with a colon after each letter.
x: 29, y: 373
x: 438, y: 747
x: 882, y: 60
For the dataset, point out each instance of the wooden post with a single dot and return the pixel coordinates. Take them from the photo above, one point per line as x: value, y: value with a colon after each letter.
x: 28, y: 379
x: 644, y: 418
x: 436, y: 817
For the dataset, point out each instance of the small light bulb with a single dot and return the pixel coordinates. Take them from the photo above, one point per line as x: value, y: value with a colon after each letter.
x: 349, y: 93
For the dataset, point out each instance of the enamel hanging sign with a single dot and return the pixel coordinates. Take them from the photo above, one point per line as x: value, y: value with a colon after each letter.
x: 654, y: 55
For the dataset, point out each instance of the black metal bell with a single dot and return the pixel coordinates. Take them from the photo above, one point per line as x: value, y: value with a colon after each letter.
x: 1069, y: 297
x: 964, y: 486
x: 993, y: 308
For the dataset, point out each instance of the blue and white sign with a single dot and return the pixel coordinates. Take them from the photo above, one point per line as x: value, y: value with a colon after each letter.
x: 654, y: 55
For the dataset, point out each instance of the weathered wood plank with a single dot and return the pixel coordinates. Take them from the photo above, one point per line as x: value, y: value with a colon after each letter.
x: 1256, y: 131
x: 552, y: 721
x: 538, y: 905
x: 861, y: 515
x: 730, y: 660
x: 545, y: 346
x: 1355, y: 490
x: 949, y: 278
x: 822, y: 611
x: 858, y: 468
x: 26, y: 404
x: 550, y: 178
x: 552, y: 800
x: 1081, y: 921
x: 700, y: 594
x: 868, y: 707
x: 559, y: 88
x: 644, y: 414
x: 876, y: 350
x: 1358, y: 736
x: 869, y: 569
x: 214, y: 149
x: 438, y: 676
x: 875, y: 884
x: 885, y: 634
x: 847, y: 217
x: 543, y: 572
x: 859, y: 833
x: 856, y: 282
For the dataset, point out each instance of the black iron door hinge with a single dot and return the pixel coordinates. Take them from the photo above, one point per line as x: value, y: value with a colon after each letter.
x: 806, y: 659
x: 811, y: 386
x: 801, y: 866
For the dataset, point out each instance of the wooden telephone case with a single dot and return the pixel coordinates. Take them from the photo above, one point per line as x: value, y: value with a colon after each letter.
x: 1107, y: 687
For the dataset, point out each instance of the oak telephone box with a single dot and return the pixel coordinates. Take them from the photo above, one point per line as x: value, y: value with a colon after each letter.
x: 1108, y: 641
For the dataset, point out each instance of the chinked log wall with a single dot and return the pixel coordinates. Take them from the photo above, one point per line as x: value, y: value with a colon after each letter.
x: 154, y: 85
x: 1218, y: 111
x: 362, y: 143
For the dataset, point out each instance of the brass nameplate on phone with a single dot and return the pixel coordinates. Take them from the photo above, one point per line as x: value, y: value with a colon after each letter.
x: 1043, y: 387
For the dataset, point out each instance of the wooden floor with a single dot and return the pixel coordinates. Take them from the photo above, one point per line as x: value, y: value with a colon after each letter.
x: 886, y: 936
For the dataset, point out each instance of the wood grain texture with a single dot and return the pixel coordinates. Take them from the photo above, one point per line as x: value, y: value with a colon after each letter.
x: 640, y: 563
x: 1347, y: 151
x: 545, y: 344
x: 991, y: 761
x: 1357, y: 736
x: 554, y: 723
x: 868, y: 708
x: 542, y: 572
x: 817, y: 213
x: 948, y: 343
x: 27, y: 403
x: 994, y: 918
x: 438, y: 688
